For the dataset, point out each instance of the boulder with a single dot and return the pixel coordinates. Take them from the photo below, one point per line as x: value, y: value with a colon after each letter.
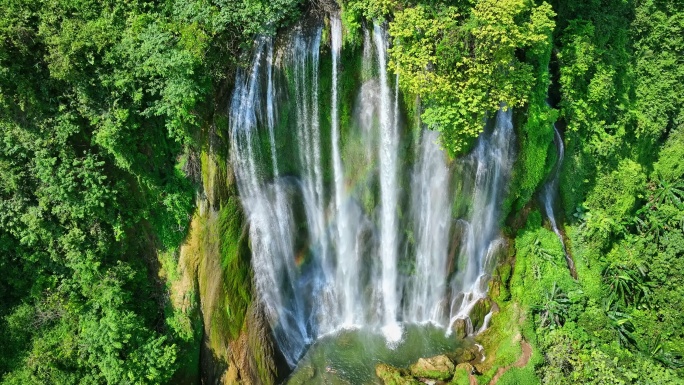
x: 460, y: 328
x: 461, y: 355
x: 437, y: 368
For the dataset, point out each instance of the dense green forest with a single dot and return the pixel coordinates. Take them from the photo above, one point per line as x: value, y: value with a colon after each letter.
x: 108, y: 110
x: 100, y: 102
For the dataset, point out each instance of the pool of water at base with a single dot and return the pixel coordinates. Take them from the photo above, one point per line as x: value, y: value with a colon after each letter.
x: 349, y: 357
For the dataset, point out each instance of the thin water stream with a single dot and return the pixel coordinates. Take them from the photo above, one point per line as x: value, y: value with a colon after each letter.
x: 548, y: 194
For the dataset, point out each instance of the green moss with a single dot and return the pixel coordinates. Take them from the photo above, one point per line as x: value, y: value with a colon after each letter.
x: 501, y: 341
x: 460, y: 377
x: 261, y: 351
x: 479, y: 312
x: 503, y: 272
x: 235, y: 264
x: 539, y: 264
x: 394, y: 376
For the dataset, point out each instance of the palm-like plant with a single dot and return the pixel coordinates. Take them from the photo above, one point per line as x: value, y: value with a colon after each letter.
x: 554, y: 309
x: 650, y: 224
x: 621, y: 322
x: 670, y: 192
x: 625, y: 284
x: 655, y: 217
x: 655, y: 350
x: 670, y: 360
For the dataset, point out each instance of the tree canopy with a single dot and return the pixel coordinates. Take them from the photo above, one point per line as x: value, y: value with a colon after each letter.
x: 99, y: 102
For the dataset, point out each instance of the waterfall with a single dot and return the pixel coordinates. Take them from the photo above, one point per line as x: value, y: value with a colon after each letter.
x: 305, y: 60
x: 367, y: 53
x: 431, y: 206
x: 547, y: 197
x: 389, y: 195
x: 347, y: 255
x: 332, y: 245
x: 492, y: 161
x: 271, y: 221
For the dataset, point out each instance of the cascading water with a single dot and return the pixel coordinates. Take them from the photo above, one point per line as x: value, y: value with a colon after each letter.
x: 347, y: 256
x: 388, y: 194
x: 492, y: 161
x: 431, y: 206
x: 271, y: 220
x: 547, y: 197
x: 305, y: 60
x: 331, y: 244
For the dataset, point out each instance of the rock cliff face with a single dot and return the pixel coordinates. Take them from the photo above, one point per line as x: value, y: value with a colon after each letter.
x: 254, y: 358
x: 214, y: 267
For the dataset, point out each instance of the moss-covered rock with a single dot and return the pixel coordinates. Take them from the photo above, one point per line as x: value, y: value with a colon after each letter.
x: 461, y: 355
x: 461, y: 374
x: 394, y: 376
x: 460, y: 328
x: 479, y: 312
x: 437, y: 368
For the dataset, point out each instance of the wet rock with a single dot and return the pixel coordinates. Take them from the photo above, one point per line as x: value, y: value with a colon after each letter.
x: 394, y: 376
x: 437, y: 368
x: 460, y: 328
x: 479, y: 312
x: 463, y: 355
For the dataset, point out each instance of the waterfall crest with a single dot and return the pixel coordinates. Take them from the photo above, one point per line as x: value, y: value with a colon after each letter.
x: 337, y: 240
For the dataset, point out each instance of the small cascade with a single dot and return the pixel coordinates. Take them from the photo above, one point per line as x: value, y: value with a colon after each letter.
x: 548, y: 193
x: 492, y: 161
x: 485, y: 323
